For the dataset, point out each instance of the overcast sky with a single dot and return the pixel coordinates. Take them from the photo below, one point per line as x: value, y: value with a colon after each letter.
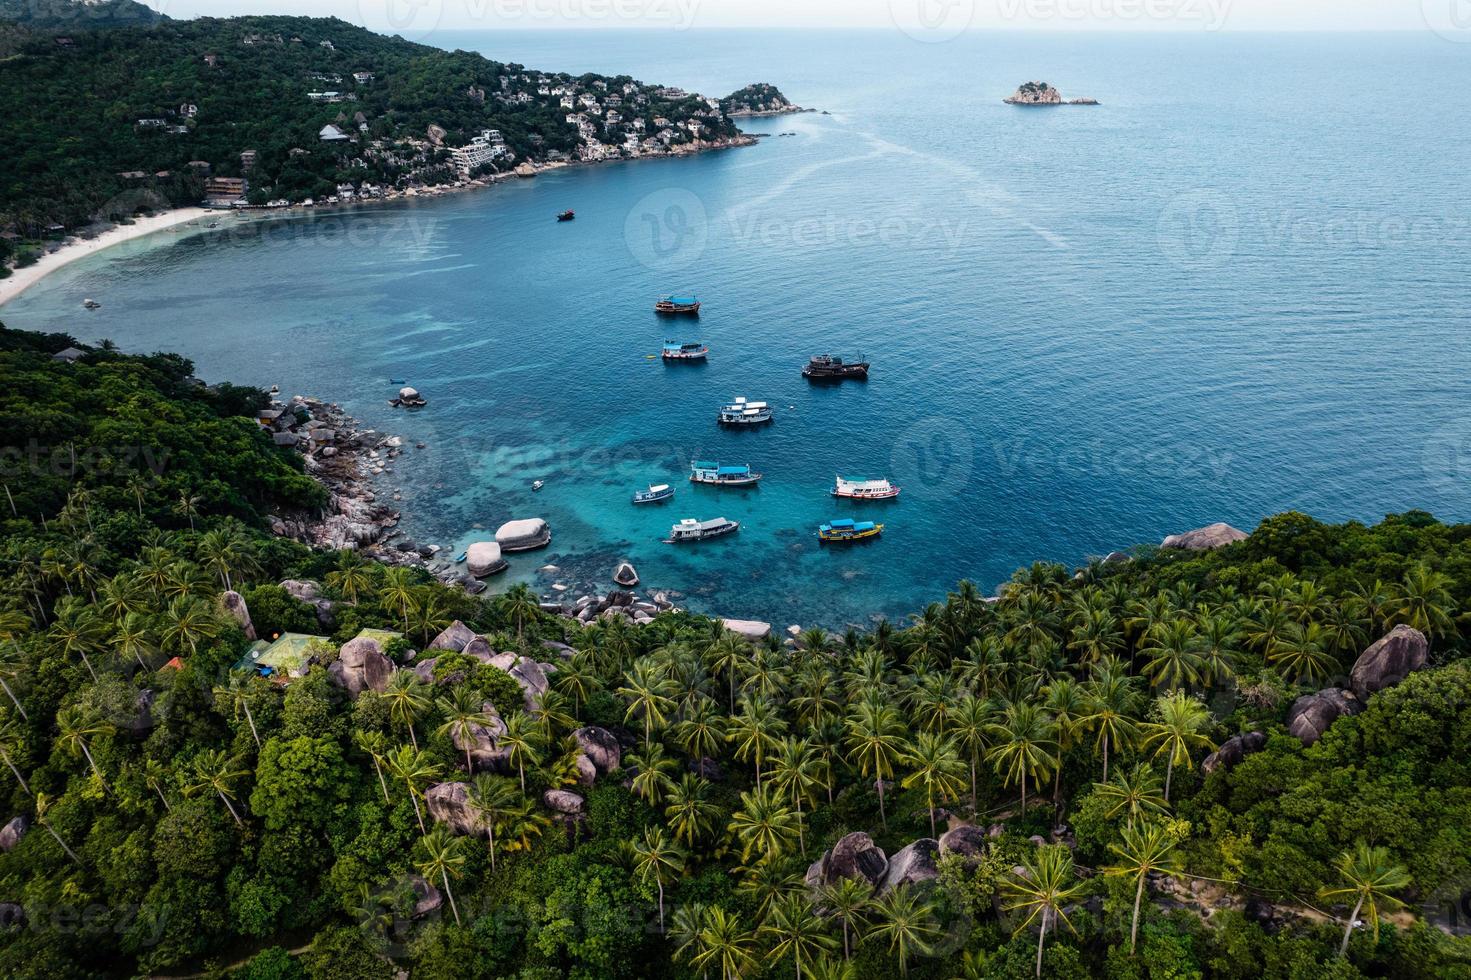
x: 932, y: 16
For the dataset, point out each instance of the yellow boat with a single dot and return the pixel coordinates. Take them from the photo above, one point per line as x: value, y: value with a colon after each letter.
x: 847, y: 530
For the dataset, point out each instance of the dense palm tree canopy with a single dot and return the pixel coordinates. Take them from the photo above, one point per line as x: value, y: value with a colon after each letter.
x: 453, y: 821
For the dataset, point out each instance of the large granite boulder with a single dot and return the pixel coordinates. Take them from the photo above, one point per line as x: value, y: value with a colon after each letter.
x: 139, y: 720
x: 361, y: 666
x: 481, y: 743
x: 13, y: 831
x: 427, y: 898
x: 751, y: 629
x: 523, y: 535
x: 1311, y: 714
x: 1389, y: 660
x: 484, y: 558
x: 455, y: 637
x: 531, y: 677
x: 966, y: 842
x: 855, y: 856
x: 303, y: 591
x: 449, y: 804
x: 1233, y: 750
x: 1205, y: 538
x: 599, y: 747
x: 480, y: 649
x: 625, y: 575
x: 563, y: 801
x: 911, y: 865
x: 234, y: 606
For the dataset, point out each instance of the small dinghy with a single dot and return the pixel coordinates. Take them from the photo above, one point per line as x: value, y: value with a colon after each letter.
x: 537, y: 484
x: 656, y: 494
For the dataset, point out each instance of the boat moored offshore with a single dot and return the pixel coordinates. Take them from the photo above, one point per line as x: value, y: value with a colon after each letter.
x: 656, y: 494
x: 676, y: 351
x: 674, y: 305
x: 744, y: 412
x: 864, y: 489
x: 848, y: 530
x: 723, y: 476
x: 690, y: 529
x: 824, y: 367
x: 567, y: 216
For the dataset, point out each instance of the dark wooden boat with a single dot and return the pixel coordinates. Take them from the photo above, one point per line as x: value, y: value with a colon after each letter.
x: 678, y: 305
x: 824, y: 367
x: 566, y: 215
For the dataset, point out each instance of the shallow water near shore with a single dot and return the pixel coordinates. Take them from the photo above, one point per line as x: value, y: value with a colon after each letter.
x: 1235, y: 288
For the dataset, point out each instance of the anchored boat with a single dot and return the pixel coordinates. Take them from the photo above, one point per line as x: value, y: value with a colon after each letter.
x: 690, y: 529
x: 743, y: 412
x: 847, y: 530
x: 824, y: 367
x: 675, y: 305
x: 675, y: 351
x: 864, y: 489
x: 566, y: 215
x: 723, y: 476
x: 656, y: 494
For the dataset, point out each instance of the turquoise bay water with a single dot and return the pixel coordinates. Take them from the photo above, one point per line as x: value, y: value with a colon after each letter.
x: 1237, y: 287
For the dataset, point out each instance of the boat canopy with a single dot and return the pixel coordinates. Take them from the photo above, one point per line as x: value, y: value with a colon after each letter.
x: 863, y: 484
x: 844, y: 523
x: 681, y: 300
x: 732, y: 470
x: 864, y: 526
x: 659, y: 488
x: 702, y: 465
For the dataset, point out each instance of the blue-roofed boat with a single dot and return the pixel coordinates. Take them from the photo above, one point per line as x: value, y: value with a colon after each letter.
x: 848, y: 530
x: 675, y: 305
x: 656, y: 494
x: 722, y: 476
x: 675, y: 351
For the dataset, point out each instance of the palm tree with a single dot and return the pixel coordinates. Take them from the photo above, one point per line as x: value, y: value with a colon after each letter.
x: 188, y: 506
x: 12, y: 660
x: 725, y: 944
x: 726, y: 655
x: 352, y: 576
x: 11, y: 735
x: 224, y: 549
x: 407, y: 700
x: 520, y: 606
x: 797, y: 773
x: 131, y: 638
x: 876, y: 740
x: 416, y: 770
x: 215, y: 771
x: 970, y: 723
x: 648, y: 697
x: 1147, y: 849
x: 493, y: 798
x: 763, y: 825
x: 187, y: 622
x: 156, y: 774
x: 237, y: 691
x: 1136, y: 794
x: 763, y: 883
x: 654, y: 767
x: 375, y: 746
x: 77, y: 730
x: 1368, y: 877
x: 1067, y: 703
x: 549, y: 708
x: 443, y: 858
x: 76, y: 631
x: 907, y: 921
x: 1046, y: 884
x: 1172, y: 650
x: 521, y: 741
x: 1025, y: 745
x: 1110, y: 706
x: 1423, y: 600
x: 464, y: 712
x: 1180, y: 725
x: 755, y: 731
x: 1302, y: 653
x: 398, y: 592
x: 702, y: 730
x: 1219, y: 636
x: 576, y: 679
x: 659, y: 860
x: 796, y: 931
x: 688, y: 921
x: 935, y: 764
x: 847, y: 899
x: 691, y: 812
x: 43, y: 806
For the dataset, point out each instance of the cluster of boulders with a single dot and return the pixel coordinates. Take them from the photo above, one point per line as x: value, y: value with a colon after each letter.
x: 1205, y: 538
x: 1387, y: 662
x: 617, y: 604
x: 856, y: 856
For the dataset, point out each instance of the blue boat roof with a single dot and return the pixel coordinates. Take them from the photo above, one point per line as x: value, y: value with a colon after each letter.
x: 702, y: 465
x: 865, y: 526
x: 729, y: 470
x: 844, y: 523
x: 681, y: 299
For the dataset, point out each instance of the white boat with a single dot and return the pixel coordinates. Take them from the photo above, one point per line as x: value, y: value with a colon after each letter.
x: 538, y: 484
x: 723, y: 476
x: 744, y: 412
x: 657, y: 493
x: 864, y: 489
x: 690, y: 529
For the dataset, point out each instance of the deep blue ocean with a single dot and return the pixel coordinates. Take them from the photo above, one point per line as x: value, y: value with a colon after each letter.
x: 1239, y: 286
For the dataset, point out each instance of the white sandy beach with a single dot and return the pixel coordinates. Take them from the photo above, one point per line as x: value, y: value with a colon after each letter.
x: 75, y: 248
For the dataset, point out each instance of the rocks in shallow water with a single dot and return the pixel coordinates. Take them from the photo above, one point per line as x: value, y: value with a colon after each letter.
x: 967, y: 842
x: 911, y: 865
x: 449, y: 804
x: 749, y: 628
x: 1233, y: 750
x: 563, y: 801
x: 1205, y: 538
x: 854, y: 856
x: 523, y: 535
x: 13, y: 831
x: 361, y: 666
x: 1389, y: 660
x: 1311, y: 714
x: 234, y: 605
x: 484, y: 558
x: 625, y: 575
x: 455, y: 637
x: 599, y: 747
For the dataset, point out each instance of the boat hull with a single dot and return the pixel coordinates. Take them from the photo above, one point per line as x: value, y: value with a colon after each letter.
x: 743, y: 481
x: 848, y: 372
x: 829, y: 537
x: 677, y: 309
x: 723, y: 420
x: 886, y: 495
x: 704, y: 535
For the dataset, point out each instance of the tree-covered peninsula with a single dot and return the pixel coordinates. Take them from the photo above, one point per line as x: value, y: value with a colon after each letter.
x: 226, y: 753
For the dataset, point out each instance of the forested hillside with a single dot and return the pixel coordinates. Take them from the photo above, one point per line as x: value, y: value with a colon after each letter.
x: 459, y: 787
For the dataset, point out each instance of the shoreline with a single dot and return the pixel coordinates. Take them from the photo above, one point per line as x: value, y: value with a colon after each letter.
x: 74, y: 248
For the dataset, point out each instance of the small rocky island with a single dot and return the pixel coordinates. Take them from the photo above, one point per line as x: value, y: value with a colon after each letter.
x: 1040, y: 93
x: 760, y: 99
